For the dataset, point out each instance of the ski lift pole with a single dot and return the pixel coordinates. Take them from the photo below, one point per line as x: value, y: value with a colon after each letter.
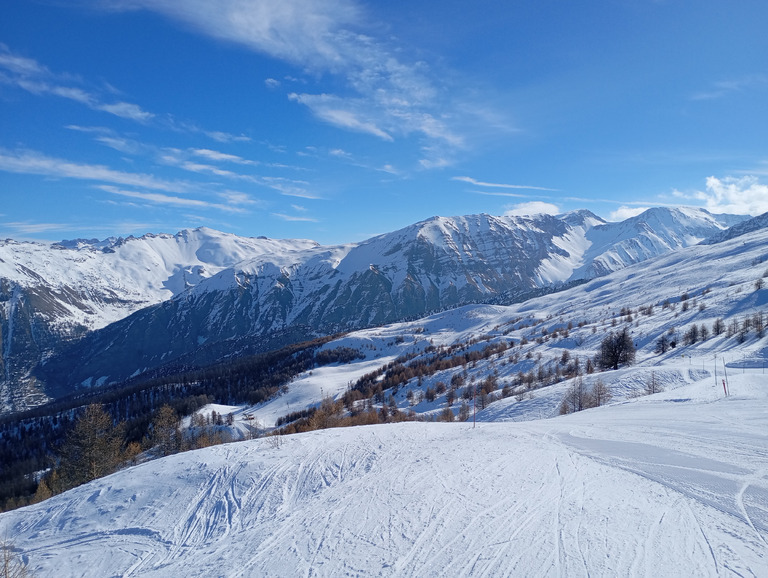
x: 725, y: 381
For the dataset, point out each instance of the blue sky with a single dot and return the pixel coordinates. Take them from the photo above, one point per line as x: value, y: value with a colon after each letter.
x: 337, y: 120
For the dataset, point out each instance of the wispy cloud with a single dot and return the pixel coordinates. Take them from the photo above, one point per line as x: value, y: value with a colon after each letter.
x: 384, y: 94
x: 222, y: 157
x: 294, y: 218
x: 736, y: 195
x: 498, y: 194
x: 340, y: 153
x: 477, y: 183
x: 237, y: 198
x: 225, y: 137
x: 303, y: 32
x: 181, y: 159
x: 30, y: 228
x: 344, y: 113
x: 724, y: 88
x: 34, y: 163
x: 31, y: 76
x: 162, y: 199
x: 290, y: 188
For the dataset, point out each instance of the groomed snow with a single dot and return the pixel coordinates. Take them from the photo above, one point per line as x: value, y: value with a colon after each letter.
x: 307, y: 391
x: 669, y: 485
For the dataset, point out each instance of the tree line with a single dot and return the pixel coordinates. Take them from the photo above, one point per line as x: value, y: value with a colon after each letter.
x: 33, y: 441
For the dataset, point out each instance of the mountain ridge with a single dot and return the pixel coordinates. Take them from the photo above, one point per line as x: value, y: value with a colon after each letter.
x: 169, y: 295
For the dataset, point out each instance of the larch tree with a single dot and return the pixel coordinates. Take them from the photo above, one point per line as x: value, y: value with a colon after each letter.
x: 166, y: 436
x: 92, y: 449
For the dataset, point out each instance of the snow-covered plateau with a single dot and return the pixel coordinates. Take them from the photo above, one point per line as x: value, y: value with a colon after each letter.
x: 674, y: 484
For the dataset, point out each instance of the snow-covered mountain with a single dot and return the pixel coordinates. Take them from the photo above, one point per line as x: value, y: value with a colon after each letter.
x: 129, y: 305
x: 613, y: 246
x: 52, y: 294
x: 671, y: 484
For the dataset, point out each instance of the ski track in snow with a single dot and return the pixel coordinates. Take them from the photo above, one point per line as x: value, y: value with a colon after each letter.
x: 647, y: 488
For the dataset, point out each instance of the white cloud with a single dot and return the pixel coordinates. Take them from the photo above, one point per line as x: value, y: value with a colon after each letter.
x: 736, y: 195
x: 532, y: 208
x: 123, y: 145
x: 337, y: 111
x: 179, y: 158
x: 293, y: 218
x: 339, y: 153
x: 726, y: 87
x: 20, y: 64
x: 162, y: 199
x: 477, y: 183
x: 126, y: 110
x: 272, y: 83
x: 222, y: 157
x: 386, y: 96
x: 289, y: 188
x: 225, y: 137
x: 33, y: 163
x: 29, y: 75
x: 623, y: 213
x: 238, y: 198
x: 435, y: 162
x: 28, y: 228
x: 303, y: 32
x: 498, y: 194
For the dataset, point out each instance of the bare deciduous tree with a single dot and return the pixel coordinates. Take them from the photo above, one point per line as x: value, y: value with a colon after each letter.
x: 616, y: 349
x: 12, y: 564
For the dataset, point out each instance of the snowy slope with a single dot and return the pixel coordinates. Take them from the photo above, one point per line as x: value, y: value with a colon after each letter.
x: 675, y: 487
x: 719, y: 280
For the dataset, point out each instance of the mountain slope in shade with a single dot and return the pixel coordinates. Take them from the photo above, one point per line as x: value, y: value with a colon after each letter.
x: 268, y: 292
x: 741, y: 228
